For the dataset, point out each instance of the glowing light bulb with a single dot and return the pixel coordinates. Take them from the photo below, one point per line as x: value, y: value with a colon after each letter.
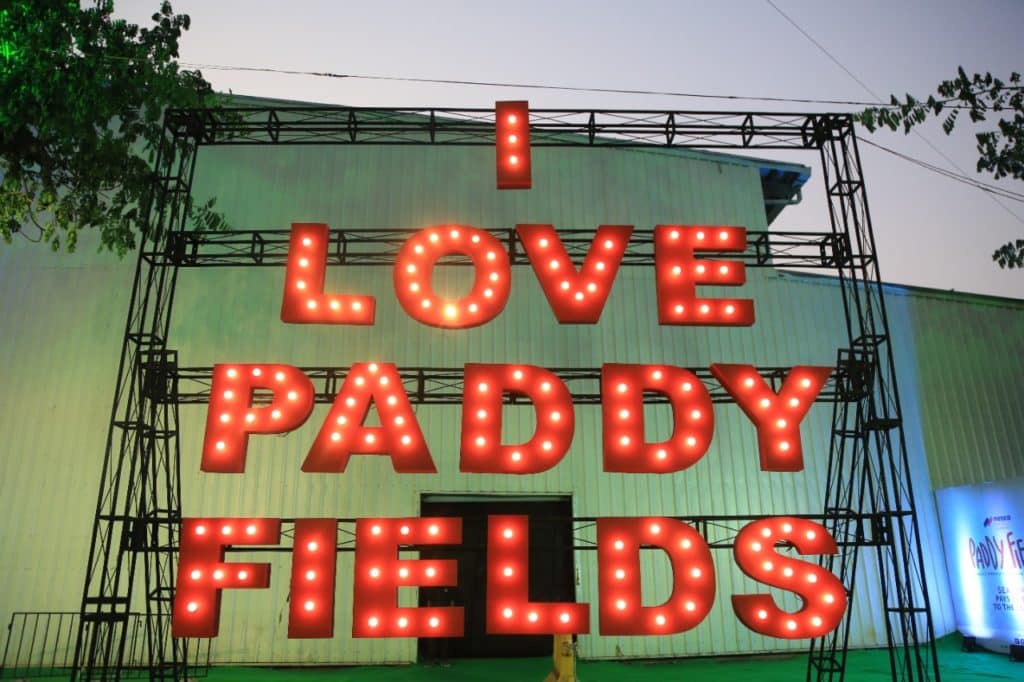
x: 564, y: 285
x: 828, y: 598
x: 425, y: 303
x: 433, y: 529
x: 250, y: 418
x: 491, y: 255
x: 794, y: 402
x: 784, y: 446
x: 700, y: 236
x: 434, y: 622
x: 765, y: 402
x: 756, y: 546
x: 225, y: 418
x: 218, y: 574
x: 200, y: 530
x: 276, y: 414
x: 599, y: 265
x: 403, y: 622
x: 545, y: 386
x: 403, y: 573
x: 621, y: 605
x: 811, y: 535
x: 375, y: 572
x: 811, y: 578
x: 454, y: 234
x: 450, y: 311
x: 730, y: 309
x: 762, y: 614
x: 196, y: 574
x: 661, y: 454
x: 695, y: 414
x: 620, y: 545
x: 659, y: 619
x: 250, y: 529
x: 700, y: 269
x: 690, y: 606
x: 404, y: 530
x: 685, y: 544
x: 370, y: 438
x: 300, y: 285
x: 543, y: 243
x: 293, y: 395
x: 564, y: 617
x: 310, y: 575
x: 655, y: 528
x: 533, y: 617
x: 508, y: 533
x: 556, y: 416
x: 481, y: 441
x: 516, y: 456
x: 376, y: 530
x: 620, y: 574
x: 418, y: 248
x: 705, y: 309
x: 791, y: 625
x: 787, y: 527
x: 406, y: 439
x: 192, y: 607
x: 677, y: 270
x: 695, y: 572
x: 507, y: 613
x: 373, y: 622
x: 788, y: 572
x: 623, y: 414
x: 392, y: 400
x: 781, y: 423
x: 674, y: 234
x: 768, y: 565
x: 553, y: 264
x: 508, y: 572
x: 311, y: 304
x: 806, y: 383
x: 723, y: 235
x: 226, y: 530
x: 306, y: 241
x: 431, y: 572
x: 624, y: 440
x: 724, y: 269
x: 678, y: 309
x: 312, y: 545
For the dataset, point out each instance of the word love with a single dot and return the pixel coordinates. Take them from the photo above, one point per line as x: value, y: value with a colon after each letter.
x: 575, y: 296
x: 232, y: 417
x: 379, y: 574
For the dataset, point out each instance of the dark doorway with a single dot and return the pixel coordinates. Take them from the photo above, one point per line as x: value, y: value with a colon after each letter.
x: 551, y: 571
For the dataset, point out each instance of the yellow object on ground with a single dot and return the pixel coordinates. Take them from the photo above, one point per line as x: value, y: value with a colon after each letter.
x: 564, y: 658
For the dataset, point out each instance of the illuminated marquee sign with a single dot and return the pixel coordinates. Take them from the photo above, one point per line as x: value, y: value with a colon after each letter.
x: 576, y: 296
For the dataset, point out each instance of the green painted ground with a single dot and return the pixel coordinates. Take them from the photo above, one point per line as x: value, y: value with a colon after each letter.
x: 863, y: 666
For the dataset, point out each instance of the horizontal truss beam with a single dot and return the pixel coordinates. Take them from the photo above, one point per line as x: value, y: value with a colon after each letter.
x: 475, y: 127
x: 718, y: 530
x: 249, y: 248
x: 444, y: 386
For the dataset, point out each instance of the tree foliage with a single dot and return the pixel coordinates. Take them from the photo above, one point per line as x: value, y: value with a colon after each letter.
x: 1000, y: 150
x: 82, y: 97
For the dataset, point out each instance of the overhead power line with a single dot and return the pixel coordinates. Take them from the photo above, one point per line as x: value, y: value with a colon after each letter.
x: 530, y: 86
x: 993, y: 192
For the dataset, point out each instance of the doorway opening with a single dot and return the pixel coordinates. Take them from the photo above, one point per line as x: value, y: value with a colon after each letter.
x: 552, y: 577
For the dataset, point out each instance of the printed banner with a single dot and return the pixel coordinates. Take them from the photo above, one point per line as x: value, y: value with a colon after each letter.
x: 983, y: 540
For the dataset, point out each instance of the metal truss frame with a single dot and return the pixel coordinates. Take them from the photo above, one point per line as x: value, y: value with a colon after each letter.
x: 869, y: 497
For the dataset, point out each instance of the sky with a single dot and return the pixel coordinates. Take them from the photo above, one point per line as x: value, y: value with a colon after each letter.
x: 930, y: 231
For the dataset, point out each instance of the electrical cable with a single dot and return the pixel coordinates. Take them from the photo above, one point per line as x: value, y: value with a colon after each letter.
x: 963, y: 174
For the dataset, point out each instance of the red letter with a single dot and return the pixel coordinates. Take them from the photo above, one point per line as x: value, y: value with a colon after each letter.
x: 482, y: 451
x: 575, y: 297
x: 379, y: 574
x: 824, y: 597
x: 343, y: 433
x: 512, y: 144
x: 509, y: 609
x: 776, y: 417
x: 622, y: 407
x: 415, y: 264
x: 678, y: 272
x: 304, y: 300
x: 618, y: 561
x: 230, y: 417
x: 202, y: 573
x: 314, y: 564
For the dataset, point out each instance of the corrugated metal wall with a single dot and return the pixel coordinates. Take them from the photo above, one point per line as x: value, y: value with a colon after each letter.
x: 63, y: 318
